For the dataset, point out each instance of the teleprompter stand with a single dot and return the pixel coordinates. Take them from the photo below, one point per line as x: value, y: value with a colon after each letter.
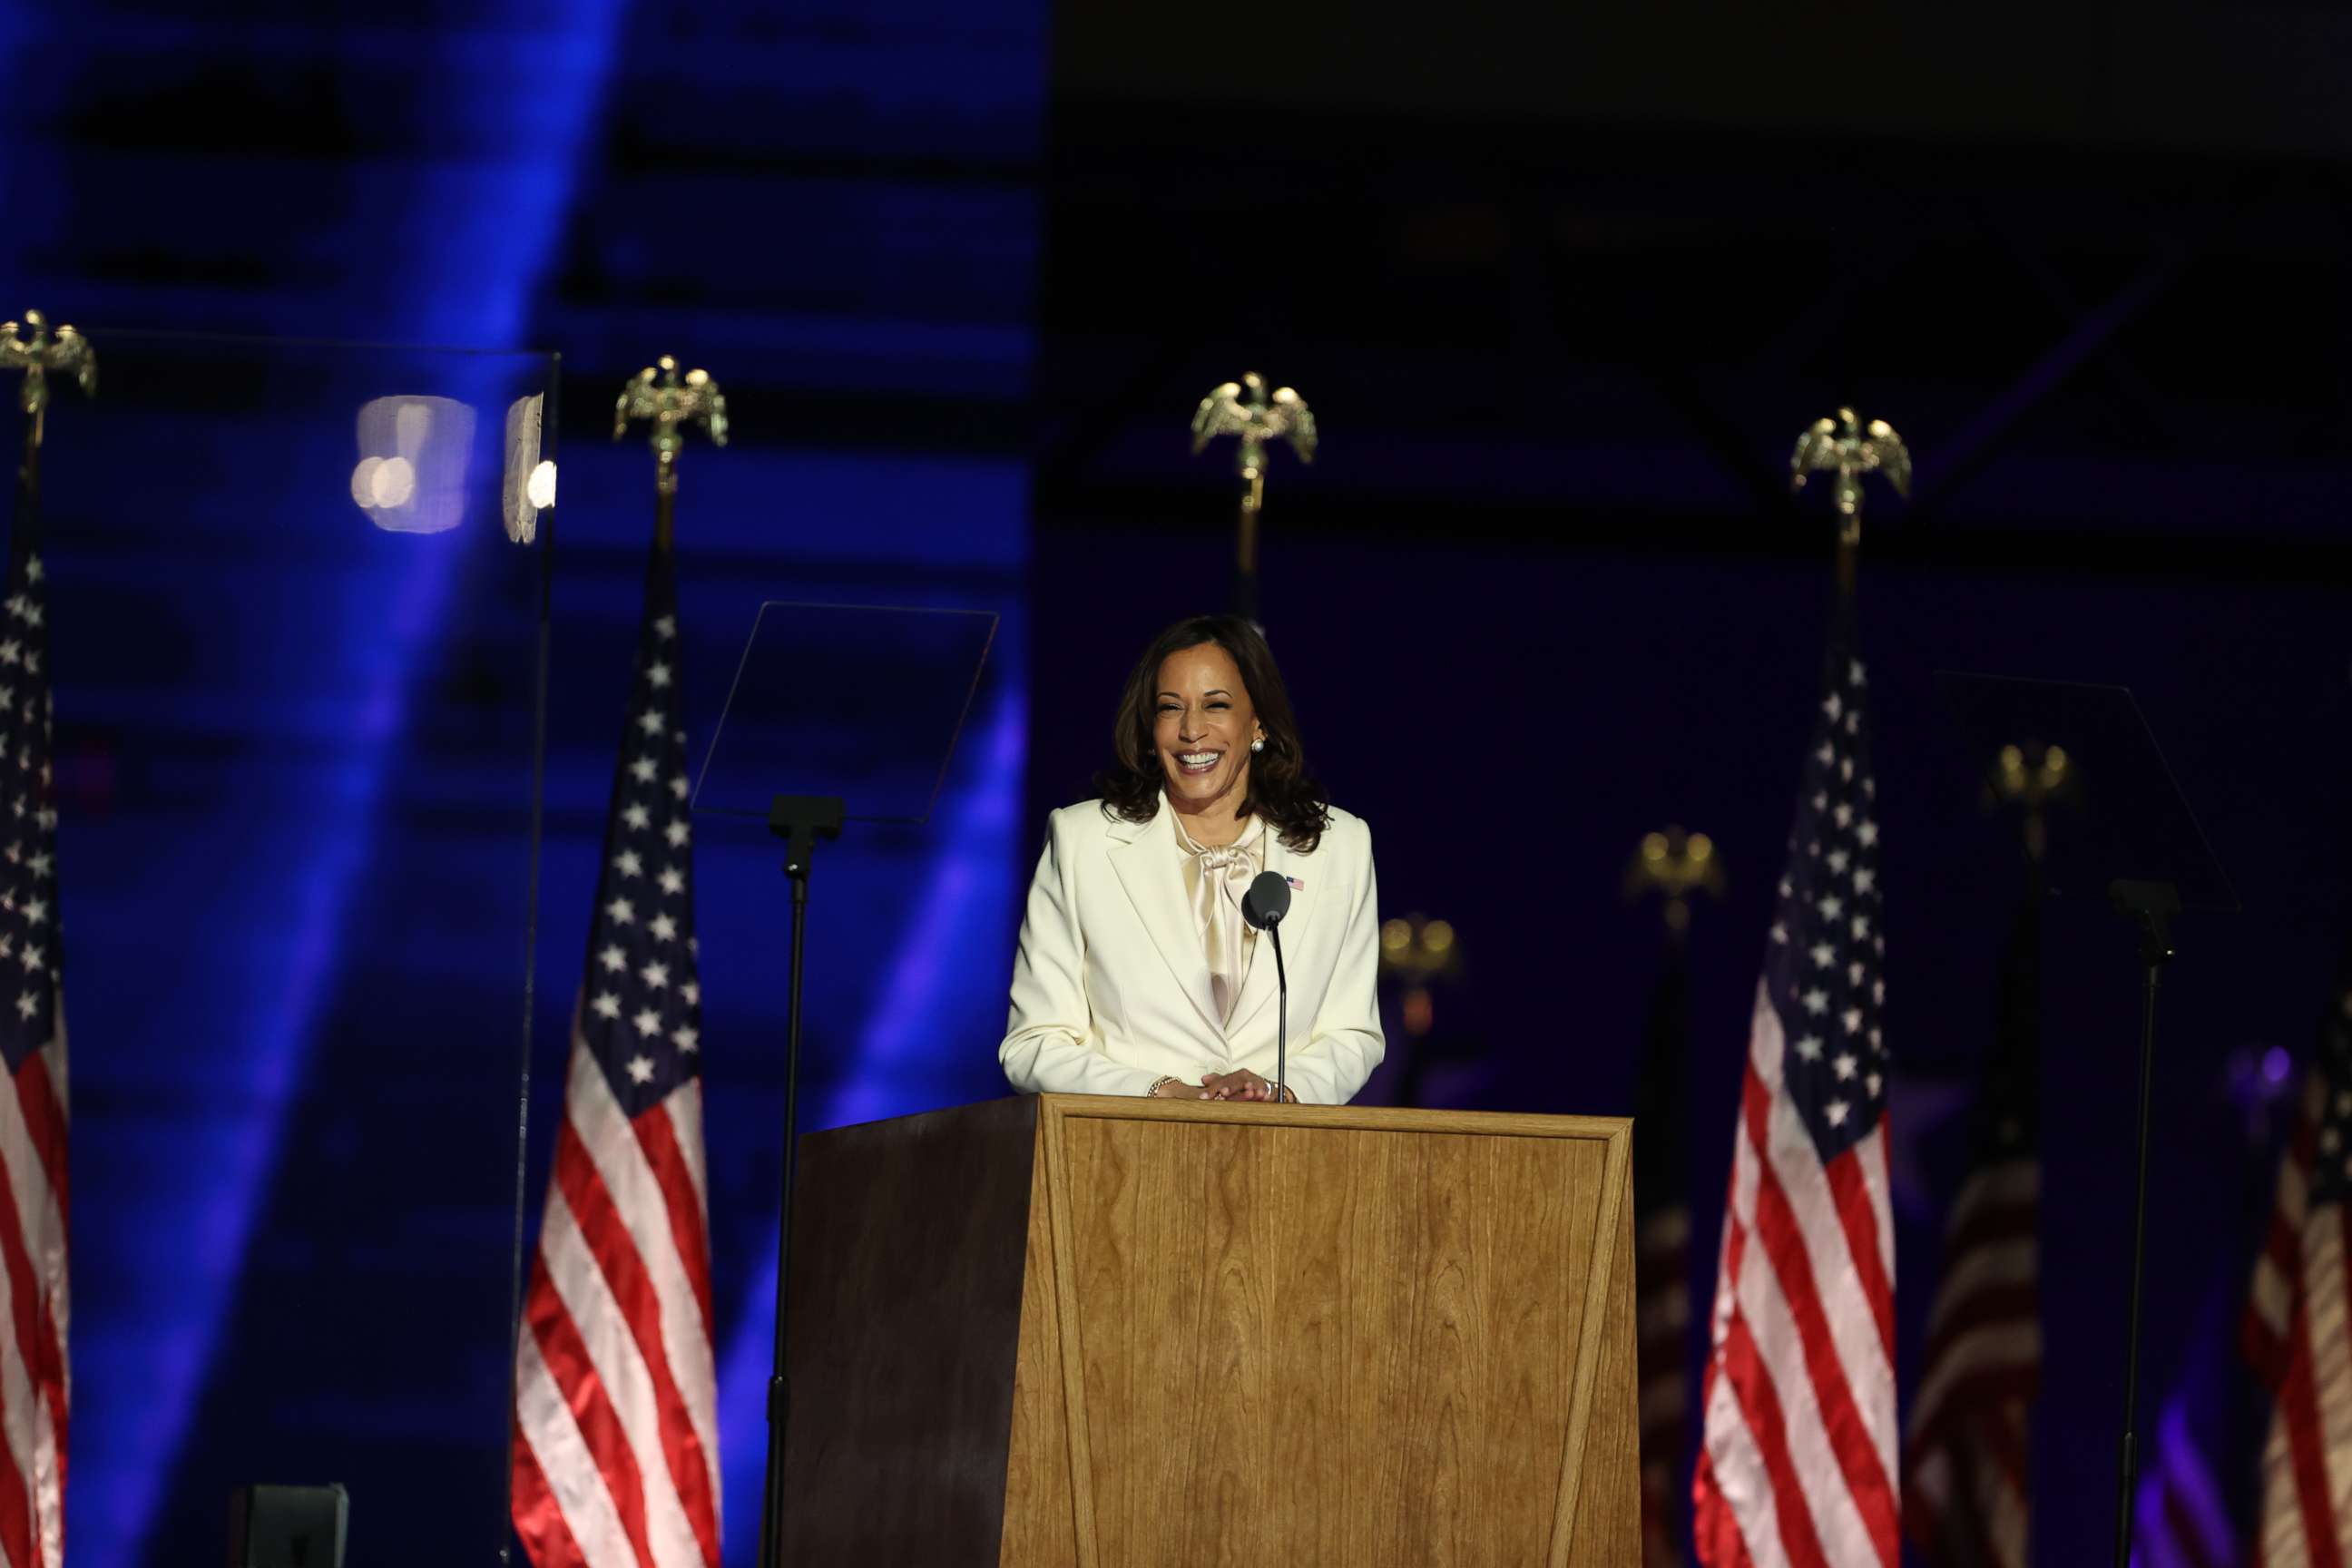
x: 2133, y: 841
x: 800, y: 820
x: 857, y: 709
x: 2150, y: 906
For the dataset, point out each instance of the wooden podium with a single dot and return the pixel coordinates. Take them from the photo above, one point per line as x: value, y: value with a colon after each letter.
x: 1103, y: 1333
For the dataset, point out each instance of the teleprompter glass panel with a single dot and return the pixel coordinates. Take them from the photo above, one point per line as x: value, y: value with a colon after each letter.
x: 858, y: 701
x: 296, y: 600
x: 2125, y: 817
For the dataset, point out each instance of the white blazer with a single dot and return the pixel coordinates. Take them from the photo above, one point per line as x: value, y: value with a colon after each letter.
x: 1110, y: 988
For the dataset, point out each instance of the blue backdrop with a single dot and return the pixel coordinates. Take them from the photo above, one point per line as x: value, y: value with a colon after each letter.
x: 1535, y: 601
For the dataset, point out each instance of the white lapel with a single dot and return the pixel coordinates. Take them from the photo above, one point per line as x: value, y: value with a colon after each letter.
x: 1261, y: 986
x: 1144, y: 855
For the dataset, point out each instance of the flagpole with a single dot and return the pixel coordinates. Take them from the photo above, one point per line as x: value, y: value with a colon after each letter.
x: 1245, y: 596
x: 672, y: 404
x: 28, y: 472
x: 1416, y: 950
x: 1244, y: 409
x: 1843, y: 444
x: 1814, y: 1087
x: 1675, y: 865
x: 1984, y: 1411
x: 39, y: 352
x: 44, y: 1290
x: 665, y: 498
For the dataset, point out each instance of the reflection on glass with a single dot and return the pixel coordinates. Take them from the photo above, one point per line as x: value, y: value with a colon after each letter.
x: 411, y: 476
x: 529, y: 483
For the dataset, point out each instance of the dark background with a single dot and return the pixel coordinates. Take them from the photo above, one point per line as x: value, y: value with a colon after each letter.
x: 1561, y: 287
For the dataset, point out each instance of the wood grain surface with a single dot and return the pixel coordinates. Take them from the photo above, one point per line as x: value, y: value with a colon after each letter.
x: 910, y: 1249
x: 1601, y: 1517
x: 1040, y: 1512
x: 1309, y: 1335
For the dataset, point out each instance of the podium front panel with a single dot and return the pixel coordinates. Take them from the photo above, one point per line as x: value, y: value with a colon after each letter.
x: 1065, y: 1331
x: 1331, y: 1336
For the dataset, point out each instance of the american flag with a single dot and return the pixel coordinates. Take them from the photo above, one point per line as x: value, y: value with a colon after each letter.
x: 1797, y: 1463
x: 35, y: 1382
x: 616, y: 1441
x: 1662, y: 1228
x: 1966, y: 1499
x: 2296, y: 1330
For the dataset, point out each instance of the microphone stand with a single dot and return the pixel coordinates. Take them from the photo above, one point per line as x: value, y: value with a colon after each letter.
x: 1282, y: 1014
x: 1268, y: 901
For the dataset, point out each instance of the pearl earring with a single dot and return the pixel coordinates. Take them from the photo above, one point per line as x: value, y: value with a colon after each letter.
x: 1259, y: 744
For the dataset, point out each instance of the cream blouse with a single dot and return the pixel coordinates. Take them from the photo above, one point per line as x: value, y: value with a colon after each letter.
x: 1216, y: 879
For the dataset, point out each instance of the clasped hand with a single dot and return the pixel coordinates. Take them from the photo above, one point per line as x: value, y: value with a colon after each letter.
x: 1239, y: 1084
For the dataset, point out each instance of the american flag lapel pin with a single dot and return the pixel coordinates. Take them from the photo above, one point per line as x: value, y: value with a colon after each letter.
x: 1297, y: 884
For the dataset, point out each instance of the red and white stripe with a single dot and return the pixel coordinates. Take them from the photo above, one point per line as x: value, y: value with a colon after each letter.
x: 36, y: 1385
x: 2297, y: 1338
x: 616, y: 1443
x: 1969, y: 1481
x: 1798, y: 1465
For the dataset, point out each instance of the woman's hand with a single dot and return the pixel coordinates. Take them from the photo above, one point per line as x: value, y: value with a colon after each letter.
x: 1177, y: 1089
x: 1239, y: 1084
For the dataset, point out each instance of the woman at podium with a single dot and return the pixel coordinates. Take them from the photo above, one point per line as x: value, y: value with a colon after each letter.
x: 1138, y: 972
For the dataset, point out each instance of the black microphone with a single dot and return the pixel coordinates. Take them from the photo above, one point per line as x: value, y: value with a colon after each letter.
x: 1267, y: 900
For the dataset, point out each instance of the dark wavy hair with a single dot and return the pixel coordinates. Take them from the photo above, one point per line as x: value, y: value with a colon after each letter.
x: 1281, y: 789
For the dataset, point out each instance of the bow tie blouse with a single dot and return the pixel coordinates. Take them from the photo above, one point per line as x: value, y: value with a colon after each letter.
x: 1216, y: 879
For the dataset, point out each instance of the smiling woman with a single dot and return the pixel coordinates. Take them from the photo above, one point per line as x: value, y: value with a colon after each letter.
x: 1137, y: 974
